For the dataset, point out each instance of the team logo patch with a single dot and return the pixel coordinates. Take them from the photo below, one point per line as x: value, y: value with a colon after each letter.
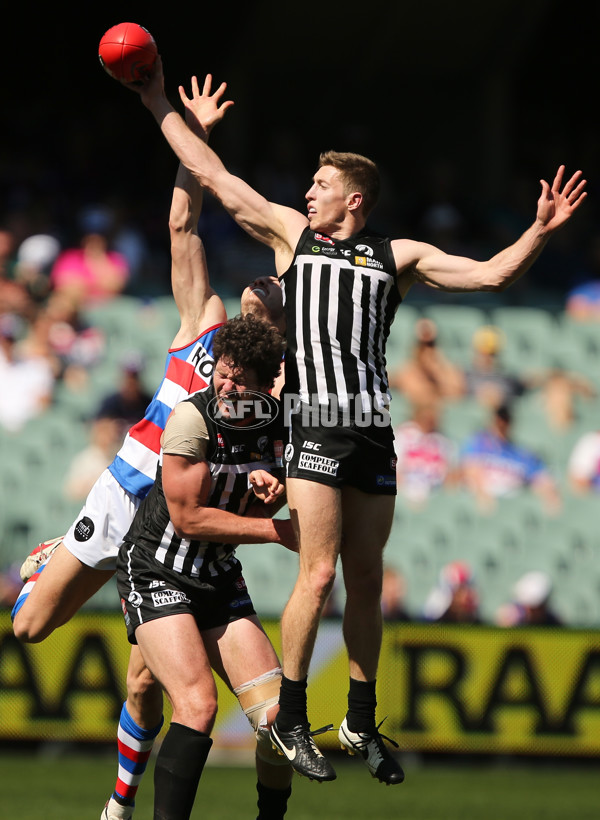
x: 135, y: 599
x: 84, y: 529
x: 318, y: 464
x: 236, y: 603
x: 322, y: 238
x: 289, y: 452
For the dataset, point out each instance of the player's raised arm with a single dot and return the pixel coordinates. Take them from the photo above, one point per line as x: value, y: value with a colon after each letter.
x: 421, y: 262
x: 199, y: 305
x: 274, y: 225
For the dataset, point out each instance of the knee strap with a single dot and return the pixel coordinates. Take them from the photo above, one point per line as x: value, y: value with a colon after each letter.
x: 256, y: 698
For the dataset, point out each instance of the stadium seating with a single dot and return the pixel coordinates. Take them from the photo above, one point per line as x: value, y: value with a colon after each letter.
x: 456, y: 325
x: 500, y: 546
x: 529, y: 337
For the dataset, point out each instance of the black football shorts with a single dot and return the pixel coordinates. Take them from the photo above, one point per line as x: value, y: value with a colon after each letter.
x: 149, y: 590
x: 339, y: 455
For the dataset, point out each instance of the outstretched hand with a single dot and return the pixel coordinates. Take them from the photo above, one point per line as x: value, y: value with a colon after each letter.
x: 204, y: 110
x: 556, y: 206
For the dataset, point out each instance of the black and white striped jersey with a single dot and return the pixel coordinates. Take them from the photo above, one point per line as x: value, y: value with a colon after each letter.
x: 232, y: 453
x: 340, y: 299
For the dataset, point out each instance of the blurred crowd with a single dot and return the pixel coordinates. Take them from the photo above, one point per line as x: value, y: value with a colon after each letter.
x: 491, y: 462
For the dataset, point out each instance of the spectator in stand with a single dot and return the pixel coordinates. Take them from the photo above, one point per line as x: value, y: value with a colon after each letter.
x: 34, y: 260
x: 76, y: 344
x: 393, y: 593
x: 493, y: 466
x: 584, y: 464
x: 583, y: 300
x: 26, y: 382
x: 58, y: 334
x: 559, y: 391
x: 88, y: 464
x: 127, y: 405
x: 13, y: 295
x: 454, y: 599
x: 486, y: 380
x: 428, y: 375
x: 530, y: 604
x: 93, y: 272
x: 426, y: 458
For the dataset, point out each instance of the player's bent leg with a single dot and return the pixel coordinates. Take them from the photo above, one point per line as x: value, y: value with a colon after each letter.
x: 174, y: 652
x: 176, y: 656
x: 367, y: 524
x: 315, y: 510
x: 135, y: 747
x: 56, y: 595
x: 144, y: 694
x: 140, y: 722
x: 259, y: 698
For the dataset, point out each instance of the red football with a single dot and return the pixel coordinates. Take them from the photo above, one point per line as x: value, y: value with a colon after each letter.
x: 127, y: 52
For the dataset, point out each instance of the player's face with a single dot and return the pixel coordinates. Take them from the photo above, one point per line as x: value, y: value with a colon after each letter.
x: 326, y: 200
x: 263, y: 297
x: 235, y: 389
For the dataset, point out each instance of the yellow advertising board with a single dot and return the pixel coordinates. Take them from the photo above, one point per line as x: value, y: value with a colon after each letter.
x: 441, y: 688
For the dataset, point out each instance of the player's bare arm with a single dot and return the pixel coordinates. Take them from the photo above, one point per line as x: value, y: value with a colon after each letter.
x: 425, y: 263
x: 186, y: 485
x: 198, y: 304
x: 273, y: 225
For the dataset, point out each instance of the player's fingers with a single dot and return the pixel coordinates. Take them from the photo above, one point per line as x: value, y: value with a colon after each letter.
x: 558, y: 178
x: 569, y: 186
x: 577, y: 198
x: 184, y: 97
x: 220, y: 91
x: 207, y: 85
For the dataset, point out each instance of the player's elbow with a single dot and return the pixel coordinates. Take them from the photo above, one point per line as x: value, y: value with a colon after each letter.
x: 494, y: 284
x: 185, y: 524
x: 180, y: 222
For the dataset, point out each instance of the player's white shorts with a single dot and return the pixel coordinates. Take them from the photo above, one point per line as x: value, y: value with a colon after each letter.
x: 96, y: 535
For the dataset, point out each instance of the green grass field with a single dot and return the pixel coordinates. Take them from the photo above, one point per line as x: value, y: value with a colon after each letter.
x: 74, y: 787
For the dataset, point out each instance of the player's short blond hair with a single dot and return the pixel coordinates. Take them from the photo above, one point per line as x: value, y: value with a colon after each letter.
x: 358, y: 173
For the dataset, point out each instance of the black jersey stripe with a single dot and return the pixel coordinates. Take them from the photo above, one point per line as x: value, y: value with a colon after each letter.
x: 338, y: 322
x: 231, y: 454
